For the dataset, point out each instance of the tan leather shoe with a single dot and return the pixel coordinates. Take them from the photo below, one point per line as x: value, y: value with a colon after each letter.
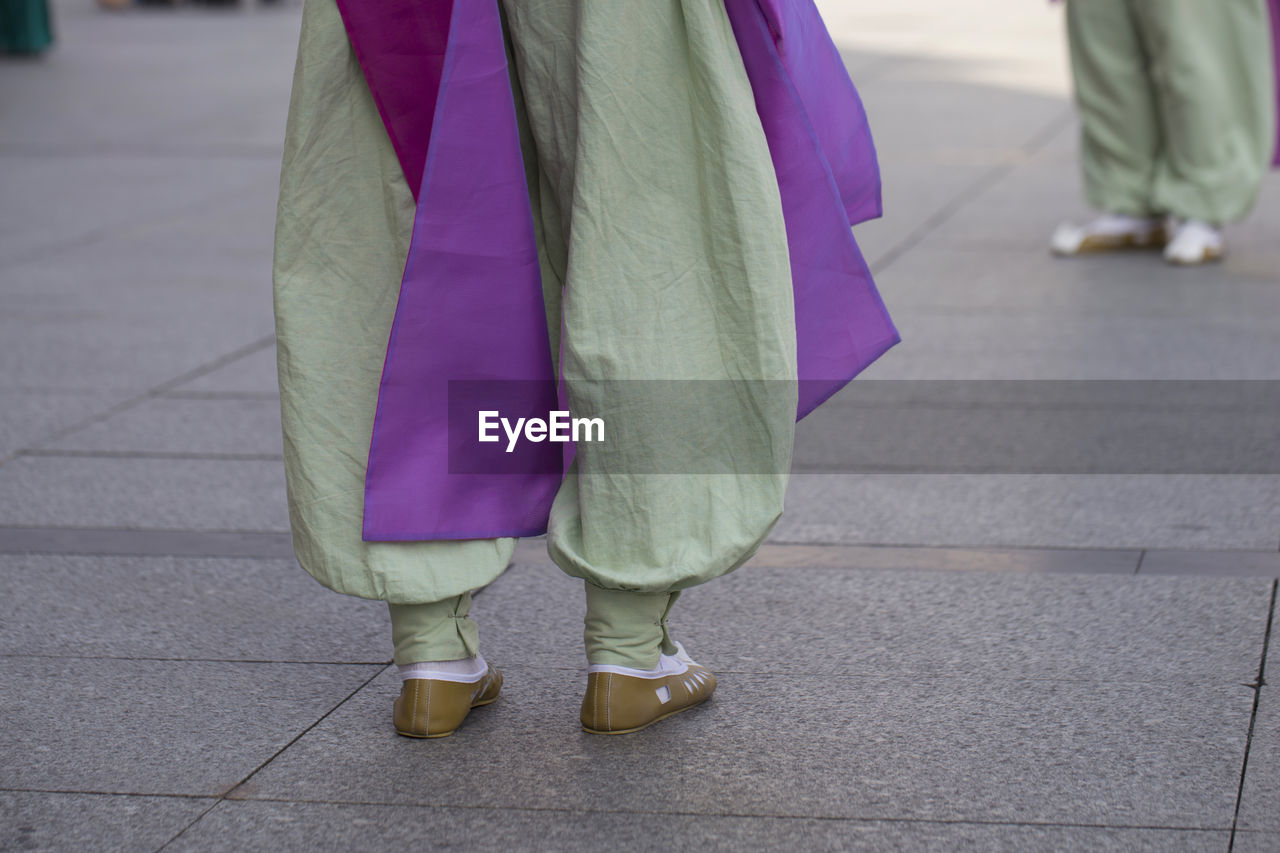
x: 1109, y: 233
x: 618, y: 704
x: 432, y: 707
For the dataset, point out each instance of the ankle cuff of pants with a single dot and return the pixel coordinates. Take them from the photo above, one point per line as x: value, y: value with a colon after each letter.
x: 441, y: 630
x: 626, y: 628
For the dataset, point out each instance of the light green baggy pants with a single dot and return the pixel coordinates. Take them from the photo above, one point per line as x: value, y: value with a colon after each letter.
x: 664, y: 256
x: 1177, y: 102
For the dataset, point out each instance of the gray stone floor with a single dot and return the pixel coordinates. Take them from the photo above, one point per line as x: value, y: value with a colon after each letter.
x: 961, y: 658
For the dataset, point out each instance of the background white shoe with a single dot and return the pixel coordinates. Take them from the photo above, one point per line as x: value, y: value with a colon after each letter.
x: 1111, y: 232
x: 1194, y: 242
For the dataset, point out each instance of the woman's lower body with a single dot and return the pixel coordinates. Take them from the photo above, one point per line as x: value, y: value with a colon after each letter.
x: 664, y: 259
x: 1177, y: 107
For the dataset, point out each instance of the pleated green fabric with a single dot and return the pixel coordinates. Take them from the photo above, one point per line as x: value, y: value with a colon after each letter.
x: 665, y: 251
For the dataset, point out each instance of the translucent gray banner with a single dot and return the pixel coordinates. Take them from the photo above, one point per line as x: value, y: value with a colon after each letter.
x: 909, y: 427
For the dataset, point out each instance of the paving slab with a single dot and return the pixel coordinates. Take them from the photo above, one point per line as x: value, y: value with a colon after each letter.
x: 1028, y: 283
x: 183, y: 608
x: 948, y: 427
x: 987, y: 344
x: 127, y: 341
x: 1257, y: 231
x: 184, y: 426
x: 917, y: 624
x: 107, y: 541
x: 169, y: 294
x: 176, y: 494
x: 55, y: 203
x: 988, y: 749
x: 155, y: 727
x: 1034, y: 510
x: 1020, y: 210
x: 307, y: 826
x: 218, y: 219
x: 128, y: 81
x: 1017, y: 213
x: 28, y: 416
x: 1256, y: 842
x: 116, y: 361
x: 144, y: 200
x: 911, y: 204
x: 1024, y: 315
x: 976, y: 117
x: 42, y: 821
x: 227, y: 237
x: 1260, y: 564
x: 1037, y: 560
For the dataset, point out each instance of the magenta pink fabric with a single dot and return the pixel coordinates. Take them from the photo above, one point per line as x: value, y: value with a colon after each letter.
x: 470, y: 304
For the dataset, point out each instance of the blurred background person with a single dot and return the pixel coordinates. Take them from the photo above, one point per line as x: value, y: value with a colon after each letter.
x: 1177, y: 101
x: 25, y: 26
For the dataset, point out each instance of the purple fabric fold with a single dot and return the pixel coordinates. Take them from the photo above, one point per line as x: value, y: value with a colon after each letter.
x: 828, y: 178
x: 470, y: 306
x: 823, y: 90
x: 470, y: 303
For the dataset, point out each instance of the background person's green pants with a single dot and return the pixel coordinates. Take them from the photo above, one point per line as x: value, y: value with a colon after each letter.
x: 1177, y: 103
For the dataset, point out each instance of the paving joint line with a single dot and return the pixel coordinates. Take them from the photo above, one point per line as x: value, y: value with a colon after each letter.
x: 1259, y: 682
x: 739, y: 815
x: 263, y: 396
x: 225, y: 794
x: 190, y: 376
x: 70, y: 453
x: 989, y: 470
x: 157, y: 659
x: 79, y: 793
x: 107, y: 542
x: 996, y: 547
x: 908, y: 676
x: 72, y: 152
x: 970, y: 192
x: 656, y: 813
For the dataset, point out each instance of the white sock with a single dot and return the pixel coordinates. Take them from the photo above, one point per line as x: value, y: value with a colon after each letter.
x: 465, y: 671
x: 667, y: 665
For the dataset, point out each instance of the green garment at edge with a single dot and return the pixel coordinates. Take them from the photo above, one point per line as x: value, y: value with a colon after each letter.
x: 641, y: 140
x: 1177, y: 103
x: 25, y: 26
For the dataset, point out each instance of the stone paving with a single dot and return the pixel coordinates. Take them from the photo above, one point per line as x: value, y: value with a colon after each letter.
x: 951, y: 659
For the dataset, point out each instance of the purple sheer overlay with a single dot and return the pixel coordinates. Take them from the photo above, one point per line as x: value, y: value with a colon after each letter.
x: 827, y: 175
x: 470, y: 304
x: 825, y: 93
